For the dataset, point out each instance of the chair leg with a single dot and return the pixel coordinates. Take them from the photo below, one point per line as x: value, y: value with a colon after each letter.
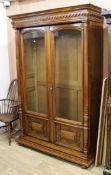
x: 11, y: 127
x: 10, y: 130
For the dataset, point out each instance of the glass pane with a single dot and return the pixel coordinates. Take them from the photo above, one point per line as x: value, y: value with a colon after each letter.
x: 35, y: 72
x: 68, y: 74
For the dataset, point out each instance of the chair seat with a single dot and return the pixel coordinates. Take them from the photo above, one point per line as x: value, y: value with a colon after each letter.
x: 7, y: 118
x: 9, y: 108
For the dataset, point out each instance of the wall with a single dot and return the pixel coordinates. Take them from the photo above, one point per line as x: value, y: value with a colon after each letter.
x: 25, y: 6
x: 4, y: 63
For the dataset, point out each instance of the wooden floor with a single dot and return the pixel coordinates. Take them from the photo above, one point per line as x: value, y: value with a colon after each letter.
x: 18, y: 160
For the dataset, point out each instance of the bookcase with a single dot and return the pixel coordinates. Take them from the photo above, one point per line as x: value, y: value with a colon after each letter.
x: 59, y: 65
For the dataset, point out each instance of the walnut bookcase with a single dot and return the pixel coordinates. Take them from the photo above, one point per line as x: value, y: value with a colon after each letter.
x: 59, y: 65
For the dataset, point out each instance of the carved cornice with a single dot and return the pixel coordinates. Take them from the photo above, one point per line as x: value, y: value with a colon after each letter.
x: 62, y: 15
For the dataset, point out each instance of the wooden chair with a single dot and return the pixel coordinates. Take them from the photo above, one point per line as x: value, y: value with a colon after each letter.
x: 9, y: 108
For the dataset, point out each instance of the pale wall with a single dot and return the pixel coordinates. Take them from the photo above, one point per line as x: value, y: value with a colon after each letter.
x: 4, y: 63
x: 24, y: 6
x: 37, y: 5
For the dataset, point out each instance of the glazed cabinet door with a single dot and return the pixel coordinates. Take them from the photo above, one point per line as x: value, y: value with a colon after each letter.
x: 68, y: 85
x: 35, y: 96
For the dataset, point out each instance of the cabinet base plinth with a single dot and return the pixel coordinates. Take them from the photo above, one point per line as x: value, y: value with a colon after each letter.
x: 58, y: 151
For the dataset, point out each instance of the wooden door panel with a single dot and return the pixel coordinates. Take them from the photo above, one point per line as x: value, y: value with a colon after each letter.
x: 34, y: 67
x: 70, y: 98
x: 67, y: 74
x: 69, y: 136
x: 36, y: 127
x: 68, y: 58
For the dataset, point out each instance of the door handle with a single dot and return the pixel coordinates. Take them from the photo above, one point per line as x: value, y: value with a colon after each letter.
x: 50, y: 88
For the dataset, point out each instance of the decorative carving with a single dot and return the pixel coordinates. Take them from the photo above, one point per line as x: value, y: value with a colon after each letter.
x: 71, y: 137
x: 77, y: 139
x: 37, y: 127
x: 53, y: 17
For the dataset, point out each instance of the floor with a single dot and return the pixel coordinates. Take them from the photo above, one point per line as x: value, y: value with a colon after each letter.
x: 19, y: 160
